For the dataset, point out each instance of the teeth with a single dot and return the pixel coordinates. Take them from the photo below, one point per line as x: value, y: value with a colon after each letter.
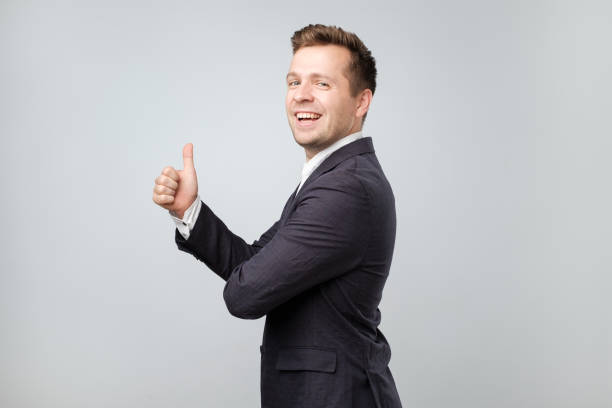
x: 307, y: 115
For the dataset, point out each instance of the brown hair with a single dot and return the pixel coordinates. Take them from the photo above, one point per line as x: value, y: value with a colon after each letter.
x: 362, y: 67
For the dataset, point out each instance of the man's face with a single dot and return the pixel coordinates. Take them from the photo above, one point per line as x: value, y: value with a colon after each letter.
x: 319, y: 104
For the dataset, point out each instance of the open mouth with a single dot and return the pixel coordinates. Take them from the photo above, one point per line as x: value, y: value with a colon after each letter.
x: 307, y: 117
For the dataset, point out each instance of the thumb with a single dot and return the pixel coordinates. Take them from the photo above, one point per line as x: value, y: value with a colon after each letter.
x: 188, y: 157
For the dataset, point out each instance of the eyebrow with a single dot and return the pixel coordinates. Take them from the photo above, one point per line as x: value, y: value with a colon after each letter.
x: 314, y: 74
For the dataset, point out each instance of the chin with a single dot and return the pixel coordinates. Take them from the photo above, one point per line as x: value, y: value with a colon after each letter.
x: 305, y: 138
x: 304, y: 142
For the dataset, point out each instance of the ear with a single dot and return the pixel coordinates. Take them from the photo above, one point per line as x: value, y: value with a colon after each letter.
x: 363, y: 103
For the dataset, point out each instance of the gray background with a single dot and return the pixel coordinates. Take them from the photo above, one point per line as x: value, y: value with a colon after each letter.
x: 492, y: 122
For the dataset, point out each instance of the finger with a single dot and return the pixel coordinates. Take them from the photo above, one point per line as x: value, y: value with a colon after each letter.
x: 170, y: 172
x: 188, y: 156
x: 163, y: 199
x: 166, y: 181
x: 159, y: 189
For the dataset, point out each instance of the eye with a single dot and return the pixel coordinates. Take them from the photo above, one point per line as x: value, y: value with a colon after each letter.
x: 293, y: 82
x: 323, y: 84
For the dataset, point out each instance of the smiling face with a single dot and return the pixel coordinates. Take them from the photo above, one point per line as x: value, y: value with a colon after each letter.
x: 320, y: 107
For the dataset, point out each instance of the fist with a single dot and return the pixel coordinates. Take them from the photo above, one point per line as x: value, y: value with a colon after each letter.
x: 176, y: 190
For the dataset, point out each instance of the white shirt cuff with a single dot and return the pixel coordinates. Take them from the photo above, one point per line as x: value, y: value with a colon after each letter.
x: 190, y: 217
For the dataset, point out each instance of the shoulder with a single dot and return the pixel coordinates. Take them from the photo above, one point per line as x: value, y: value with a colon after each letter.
x: 336, y: 196
x: 360, y: 174
x: 358, y: 178
x: 339, y: 183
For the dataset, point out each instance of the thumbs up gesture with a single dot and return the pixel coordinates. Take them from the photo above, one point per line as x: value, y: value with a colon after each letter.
x: 176, y: 190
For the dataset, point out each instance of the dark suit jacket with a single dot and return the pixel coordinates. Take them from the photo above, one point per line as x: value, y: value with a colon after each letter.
x: 318, y: 275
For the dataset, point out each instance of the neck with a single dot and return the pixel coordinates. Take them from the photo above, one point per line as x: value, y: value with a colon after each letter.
x: 312, y: 151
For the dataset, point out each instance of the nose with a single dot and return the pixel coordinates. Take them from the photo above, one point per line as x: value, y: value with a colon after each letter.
x: 303, y: 93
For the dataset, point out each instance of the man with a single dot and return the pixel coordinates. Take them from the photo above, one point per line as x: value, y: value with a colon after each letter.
x: 318, y: 273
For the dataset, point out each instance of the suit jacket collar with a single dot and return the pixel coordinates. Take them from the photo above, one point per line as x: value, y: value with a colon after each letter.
x: 359, y: 146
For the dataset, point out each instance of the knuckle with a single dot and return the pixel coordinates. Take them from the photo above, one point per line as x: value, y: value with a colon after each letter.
x: 168, y: 182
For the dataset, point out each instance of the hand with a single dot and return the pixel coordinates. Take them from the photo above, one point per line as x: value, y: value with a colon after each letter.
x: 176, y: 190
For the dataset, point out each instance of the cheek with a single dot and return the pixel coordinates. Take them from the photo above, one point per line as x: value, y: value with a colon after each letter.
x: 348, y: 108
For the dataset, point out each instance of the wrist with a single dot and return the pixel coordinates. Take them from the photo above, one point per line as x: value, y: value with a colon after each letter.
x: 181, y: 213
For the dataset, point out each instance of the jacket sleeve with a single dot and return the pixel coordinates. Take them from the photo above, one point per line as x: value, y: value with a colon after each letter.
x: 324, y: 237
x: 220, y: 249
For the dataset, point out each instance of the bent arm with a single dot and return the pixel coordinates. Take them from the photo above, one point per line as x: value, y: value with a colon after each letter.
x: 212, y: 242
x: 325, y: 237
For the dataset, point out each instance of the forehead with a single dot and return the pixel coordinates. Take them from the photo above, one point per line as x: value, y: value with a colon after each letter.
x: 331, y: 60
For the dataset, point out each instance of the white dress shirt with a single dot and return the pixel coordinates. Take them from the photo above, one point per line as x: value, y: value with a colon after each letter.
x: 186, y: 224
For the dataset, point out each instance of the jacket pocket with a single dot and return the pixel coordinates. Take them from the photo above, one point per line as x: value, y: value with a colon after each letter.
x: 306, y: 359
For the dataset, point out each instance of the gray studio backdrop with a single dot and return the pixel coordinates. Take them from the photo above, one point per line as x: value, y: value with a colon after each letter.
x: 492, y: 122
